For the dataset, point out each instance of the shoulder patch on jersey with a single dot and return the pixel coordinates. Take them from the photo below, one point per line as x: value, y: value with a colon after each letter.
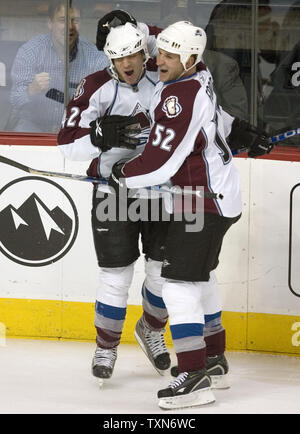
x: 171, y: 107
x: 80, y: 89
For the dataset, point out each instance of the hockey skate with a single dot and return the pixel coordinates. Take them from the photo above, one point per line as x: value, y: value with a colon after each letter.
x: 217, y: 368
x: 153, y: 345
x: 103, y: 363
x: 189, y: 389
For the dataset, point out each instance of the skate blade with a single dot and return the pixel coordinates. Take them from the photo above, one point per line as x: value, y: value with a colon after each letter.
x: 141, y: 344
x: 220, y: 381
x: 197, y: 398
x: 101, y: 380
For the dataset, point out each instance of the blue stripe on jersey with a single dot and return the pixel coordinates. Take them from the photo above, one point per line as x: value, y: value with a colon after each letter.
x: 111, y: 312
x: 143, y: 139
x: 153, y: 299
x: 180, y: 331
x: 151, y: 81
x: 114, y: 99
x: 213, y: 316
x: 180, y: 79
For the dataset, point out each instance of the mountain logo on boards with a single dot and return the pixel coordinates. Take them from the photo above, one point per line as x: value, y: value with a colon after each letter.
x: 38, y: 221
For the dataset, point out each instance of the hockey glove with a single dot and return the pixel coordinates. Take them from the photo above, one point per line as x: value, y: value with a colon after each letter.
x: 117, y: 179
x: 261, y: 146
x: 115, y: 131
x: 245, y: 135
x: 112, y: 19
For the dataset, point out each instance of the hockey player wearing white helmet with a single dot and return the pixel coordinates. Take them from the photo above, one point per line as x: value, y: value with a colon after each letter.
x: 189, y: 50
x: 126, y: 48
x: 187, y: 147
x: 98, y: 125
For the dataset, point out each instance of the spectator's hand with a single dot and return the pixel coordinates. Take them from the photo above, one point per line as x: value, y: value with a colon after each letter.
x: 41, y: 83
x: 112, y: 19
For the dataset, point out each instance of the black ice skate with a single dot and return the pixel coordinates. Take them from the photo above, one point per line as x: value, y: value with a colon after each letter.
x: 153, y: 345
x: 217, y: 367
x: 103, y: 363
x: 189, y: 389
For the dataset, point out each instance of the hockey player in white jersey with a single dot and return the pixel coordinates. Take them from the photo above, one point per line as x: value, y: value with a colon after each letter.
x: 108, y: 120
x: 187, y: 146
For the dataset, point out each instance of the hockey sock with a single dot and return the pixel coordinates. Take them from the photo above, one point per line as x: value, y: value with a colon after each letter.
x: 191, y: 360
x: 111, y: 304
x: 107, y: 338
x: 155, y: 312
x: 183, y: 301
x: 214, y: 335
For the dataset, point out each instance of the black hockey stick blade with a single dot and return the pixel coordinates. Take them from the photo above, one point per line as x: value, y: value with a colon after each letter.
x: 14, y: 164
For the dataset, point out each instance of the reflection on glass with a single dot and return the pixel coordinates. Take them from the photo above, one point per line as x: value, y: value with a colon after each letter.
x: 282, y: 107
x: 32, y: 73
x: 229, y: 32
x: 228, y: 85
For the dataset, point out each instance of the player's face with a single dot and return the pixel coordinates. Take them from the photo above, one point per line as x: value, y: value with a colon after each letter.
x: 57, y: 26
x: 130, y: 68
x: 170, y: 67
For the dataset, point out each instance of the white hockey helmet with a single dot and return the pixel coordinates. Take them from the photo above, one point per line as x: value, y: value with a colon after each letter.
x: 123, y: 41
x: 183, y: 38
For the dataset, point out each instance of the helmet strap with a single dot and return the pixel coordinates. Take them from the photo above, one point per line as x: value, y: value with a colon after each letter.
x: 185, y: 70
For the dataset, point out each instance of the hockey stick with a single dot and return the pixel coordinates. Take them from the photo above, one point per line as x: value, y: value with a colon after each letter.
x: 285, y: 135
x: 274, y: 139
x: 44, y: 173
x: 159, y: 188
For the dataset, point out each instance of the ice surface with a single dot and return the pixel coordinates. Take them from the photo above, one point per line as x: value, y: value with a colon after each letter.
x: 54, y: 377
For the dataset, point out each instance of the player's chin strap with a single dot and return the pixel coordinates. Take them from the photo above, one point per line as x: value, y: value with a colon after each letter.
x: 115, y: 74
x: 185, y: 70
x: 135, y: 86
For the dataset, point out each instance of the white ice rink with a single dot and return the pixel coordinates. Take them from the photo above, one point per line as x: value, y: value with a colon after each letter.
x: 53, y: 377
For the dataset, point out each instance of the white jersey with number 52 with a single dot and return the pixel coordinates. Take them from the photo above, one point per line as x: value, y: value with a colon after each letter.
x: 187, y: 144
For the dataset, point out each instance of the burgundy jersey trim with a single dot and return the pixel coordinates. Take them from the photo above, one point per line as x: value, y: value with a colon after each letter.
x: 153, y: 30
x: 92, y: 83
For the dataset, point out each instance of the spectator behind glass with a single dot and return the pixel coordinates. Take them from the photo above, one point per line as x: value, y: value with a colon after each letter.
x: 228, y: 86
x: 229, y: 31
x: 282, y: 108
x: 38, y: 72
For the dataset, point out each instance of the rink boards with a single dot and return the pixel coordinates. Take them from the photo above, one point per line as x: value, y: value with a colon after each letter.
x: 49, y: 292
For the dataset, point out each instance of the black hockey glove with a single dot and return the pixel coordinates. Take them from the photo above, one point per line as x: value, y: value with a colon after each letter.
x: 261, y: 146
x: 115, y: 131
x: 245, y: 135
x: 117, y: 179
x: 115, y: 18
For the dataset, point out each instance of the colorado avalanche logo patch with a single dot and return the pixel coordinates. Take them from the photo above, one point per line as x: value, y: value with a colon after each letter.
x: 80, y: 89
x: 171, y: 107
